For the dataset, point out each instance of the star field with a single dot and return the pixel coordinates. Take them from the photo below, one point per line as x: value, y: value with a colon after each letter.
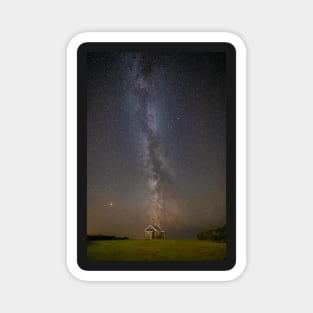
x: 156, y: 143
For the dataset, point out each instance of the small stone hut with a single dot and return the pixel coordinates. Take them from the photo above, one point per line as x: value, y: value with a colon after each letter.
x: 154, y: 232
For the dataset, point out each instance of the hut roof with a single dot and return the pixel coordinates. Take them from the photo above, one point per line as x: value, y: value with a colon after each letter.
x: 154, y: 227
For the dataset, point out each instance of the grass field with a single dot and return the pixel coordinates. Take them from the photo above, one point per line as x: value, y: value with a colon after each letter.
x: 155, y: 250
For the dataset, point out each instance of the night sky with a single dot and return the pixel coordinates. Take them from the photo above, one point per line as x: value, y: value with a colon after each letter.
x: 156, y: 143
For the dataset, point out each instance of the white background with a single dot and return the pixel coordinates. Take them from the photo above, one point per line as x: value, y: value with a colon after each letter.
x: 33, y: 274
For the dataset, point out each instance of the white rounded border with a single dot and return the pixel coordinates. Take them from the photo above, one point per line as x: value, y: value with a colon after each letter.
x: 72, y: 47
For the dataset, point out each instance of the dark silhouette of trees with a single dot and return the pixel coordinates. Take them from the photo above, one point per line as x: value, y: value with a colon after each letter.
x: 103, y: 237
x: 217, y: 234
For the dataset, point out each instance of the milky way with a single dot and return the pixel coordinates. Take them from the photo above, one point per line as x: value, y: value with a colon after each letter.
x: 156, y: 142
x: 154, y: 160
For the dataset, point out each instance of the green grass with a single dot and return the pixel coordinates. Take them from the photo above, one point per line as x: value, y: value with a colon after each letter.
x: 155, y: 250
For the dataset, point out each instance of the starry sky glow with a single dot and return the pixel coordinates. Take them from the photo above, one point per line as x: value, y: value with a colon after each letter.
x: 156, y: 142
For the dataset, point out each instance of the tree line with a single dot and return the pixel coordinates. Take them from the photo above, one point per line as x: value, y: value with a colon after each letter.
x: 103, y: 237
x: 216, y: 234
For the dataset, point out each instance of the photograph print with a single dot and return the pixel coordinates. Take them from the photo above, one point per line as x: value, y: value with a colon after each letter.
x: 158, y: 131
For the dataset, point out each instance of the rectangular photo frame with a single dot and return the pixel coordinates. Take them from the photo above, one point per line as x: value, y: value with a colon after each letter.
x: 137, y: 52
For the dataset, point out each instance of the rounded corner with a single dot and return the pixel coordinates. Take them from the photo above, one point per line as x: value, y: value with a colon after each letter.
x: 236, y: 271
x: 235, y: 42
x: 77, y: 41
x: 76, y: 271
